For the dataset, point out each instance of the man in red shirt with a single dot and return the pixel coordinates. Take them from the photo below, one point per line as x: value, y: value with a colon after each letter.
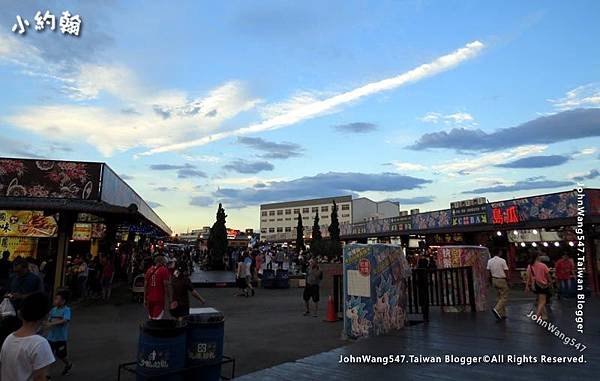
x: 565, y: 272
x: 156, y: 287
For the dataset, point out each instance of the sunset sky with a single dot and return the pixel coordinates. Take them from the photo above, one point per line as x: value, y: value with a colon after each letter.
x: 195, y: 103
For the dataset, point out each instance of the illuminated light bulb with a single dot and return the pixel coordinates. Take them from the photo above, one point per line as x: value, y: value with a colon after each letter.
x: 534, y: 231
x: 498, y: 233
x: 545, y: 244
x: 522, y: 244
x: 515, y: 232
x: 571, y: 243
x: 534, y: 244
x: 556, y: 244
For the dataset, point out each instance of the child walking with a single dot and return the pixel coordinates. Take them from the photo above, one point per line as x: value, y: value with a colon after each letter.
x: 25, y: 355
x: 58, y: 329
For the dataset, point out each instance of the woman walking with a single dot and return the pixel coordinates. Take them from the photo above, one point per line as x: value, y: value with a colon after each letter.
x: 538, y: 281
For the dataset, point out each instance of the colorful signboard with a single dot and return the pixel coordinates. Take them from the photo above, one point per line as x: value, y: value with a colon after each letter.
x: 374, y: 289
x: 469, y: 215
x: 26, y: 223
x: 88, y: 217
x: 400, y: 223
x: 545, y: 207
x: 593, y: 202
x: 445, y: 239
x: 49, y: 179
x: 98, y: 231
x: 19, y: 246
x: 475, y: 257
x: 82, y: 231
x: 505, y: 215
x: 431, y: 220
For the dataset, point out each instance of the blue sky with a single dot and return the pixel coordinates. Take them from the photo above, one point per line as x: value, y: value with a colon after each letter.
x: 247, y: 102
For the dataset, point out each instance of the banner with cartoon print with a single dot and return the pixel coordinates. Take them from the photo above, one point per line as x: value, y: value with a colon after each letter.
x: 475, y: 257
x: 374, y: 289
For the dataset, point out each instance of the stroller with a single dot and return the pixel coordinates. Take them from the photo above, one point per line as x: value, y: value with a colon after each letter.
x: 137, y: 288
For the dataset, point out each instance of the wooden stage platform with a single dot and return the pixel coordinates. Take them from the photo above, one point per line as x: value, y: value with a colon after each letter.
x: 203, y: 278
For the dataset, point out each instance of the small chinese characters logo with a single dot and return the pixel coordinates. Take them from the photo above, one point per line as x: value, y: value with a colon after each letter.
x: 364, y: 267
x: 68, y: 23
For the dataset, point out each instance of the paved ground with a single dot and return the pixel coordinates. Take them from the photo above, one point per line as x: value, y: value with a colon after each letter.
x: 211, y: 278
x: 269, y: 330
x: 461, y: 334
x: 260, y: 332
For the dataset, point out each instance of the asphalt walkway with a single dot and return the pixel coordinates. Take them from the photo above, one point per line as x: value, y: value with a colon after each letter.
x: 260, y: 332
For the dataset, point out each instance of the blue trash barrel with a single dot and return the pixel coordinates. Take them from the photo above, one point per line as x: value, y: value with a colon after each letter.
x: 268, y: 278
x: 161, y: 349
x: 205, y: 331
x: 282, y: 279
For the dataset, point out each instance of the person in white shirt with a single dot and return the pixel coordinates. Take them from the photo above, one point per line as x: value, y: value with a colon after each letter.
x: 498, y: 271
x: 25, y: 355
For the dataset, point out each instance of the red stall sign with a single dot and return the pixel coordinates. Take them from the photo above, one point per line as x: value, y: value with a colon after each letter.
x: 364, y: 267
x: 509, y: 215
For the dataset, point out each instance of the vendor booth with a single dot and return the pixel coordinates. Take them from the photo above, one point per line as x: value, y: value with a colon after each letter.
x: 374, y: 289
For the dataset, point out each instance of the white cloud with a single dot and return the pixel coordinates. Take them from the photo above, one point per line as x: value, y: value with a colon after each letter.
x: 111, y: 130
x: 115, y: 80
x: 586, y: 152
x: 487, y: 160
x: 137, y: 116
x: 307, y: 110
x: 202, y: 158
x: 583, y: 96
x: 408, y: 166
x: 456, y: 118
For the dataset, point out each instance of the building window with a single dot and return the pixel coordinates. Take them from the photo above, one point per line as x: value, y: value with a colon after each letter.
x: 315, y: 209
x: 265, y: 220
x: 288, y: 219
x: 263, y: 230
x: 296, y: 211
x: 272, y: 213
x: 324, y: 209
x: 305, y: 218
x: 345, y: 215
x: 264, y: 214
x: 346, y: 207
x: 325, y: 216
x: 288, y: 229
x: 280, y: 212
x: 280, y: 219
x: 271, y: 230
x: 305, y: 210
x: 288, y: 211
x: 271, y: 220
x: 279, y: 230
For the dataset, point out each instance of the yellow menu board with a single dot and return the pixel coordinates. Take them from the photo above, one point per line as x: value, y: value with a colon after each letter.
x: 82, y: 231
x: 19, y: 246
x: 27, y: 223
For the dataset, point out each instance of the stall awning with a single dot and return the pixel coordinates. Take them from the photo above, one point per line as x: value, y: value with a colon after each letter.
x: 70, y: 186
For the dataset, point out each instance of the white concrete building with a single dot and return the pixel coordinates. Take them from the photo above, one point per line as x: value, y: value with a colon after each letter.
x: 278, y: 221
x: 364, y: 209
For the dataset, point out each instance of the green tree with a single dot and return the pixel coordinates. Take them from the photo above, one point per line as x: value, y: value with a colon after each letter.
x: 217, y: 241
x: 334, y: 227
x: 316, y: 229
x: 300, y: 235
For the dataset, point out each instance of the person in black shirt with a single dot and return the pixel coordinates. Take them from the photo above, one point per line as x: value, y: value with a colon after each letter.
x: 181, y: 287
x: 5, y: 266
x: 23, y: 282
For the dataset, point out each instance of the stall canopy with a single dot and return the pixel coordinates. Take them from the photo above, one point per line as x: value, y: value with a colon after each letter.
x: 27, y: 184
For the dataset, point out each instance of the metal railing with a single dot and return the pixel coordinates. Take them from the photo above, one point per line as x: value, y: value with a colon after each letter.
x: 450, y: 287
